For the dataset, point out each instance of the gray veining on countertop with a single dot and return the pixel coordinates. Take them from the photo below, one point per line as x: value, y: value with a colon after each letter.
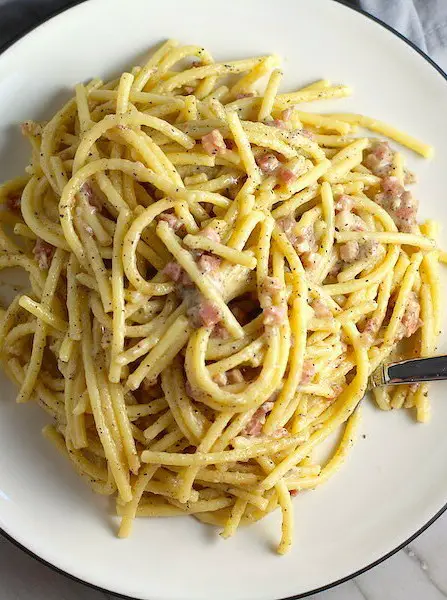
x: 416, y: 573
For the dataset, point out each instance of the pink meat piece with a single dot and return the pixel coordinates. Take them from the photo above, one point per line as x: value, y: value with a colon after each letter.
x: 211, y: 234
x: 254, y: 426
x: 320, y: 309
x: 213, y: 142
x: 274, y: 315
x: 410, y: 321
x: 293, y: 493
x: 221, y: 331
x: 349, y: 252
x: 174, y: 271
x: 288, y: 225
x: 185, y: 279
x: 208, y: 313
x: 278, y: 123
x: 392, y: 187
x: 286, y: 175
x: 172, y: 220
x: 268, y: 163
x: 209, y: 263
x: 379, y: 159
x: 202, y: 313
x: 370, y: 330
x: 405, y: 214
x: 43, y: 253
x: 271, y: 285
x: 399, y: 203
x: 305, y: 240
x: 308, y: 372
x: 335, y: 270
x: 343, y: 203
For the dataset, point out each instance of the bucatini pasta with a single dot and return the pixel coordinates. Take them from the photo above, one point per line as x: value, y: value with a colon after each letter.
x: 214, y: 273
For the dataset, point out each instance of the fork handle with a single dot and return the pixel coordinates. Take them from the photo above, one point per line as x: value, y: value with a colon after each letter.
x: 411, y: 371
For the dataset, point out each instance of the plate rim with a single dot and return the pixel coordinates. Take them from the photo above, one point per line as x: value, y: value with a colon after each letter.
x: 328, y: 586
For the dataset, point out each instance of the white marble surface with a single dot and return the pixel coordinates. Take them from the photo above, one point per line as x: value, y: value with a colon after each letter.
x: 415, y: 573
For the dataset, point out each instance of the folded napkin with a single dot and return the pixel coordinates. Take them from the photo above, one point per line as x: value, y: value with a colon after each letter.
x: 424, y: 22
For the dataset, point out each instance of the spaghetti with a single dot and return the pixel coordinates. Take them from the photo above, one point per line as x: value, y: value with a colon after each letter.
x: 214, y: 273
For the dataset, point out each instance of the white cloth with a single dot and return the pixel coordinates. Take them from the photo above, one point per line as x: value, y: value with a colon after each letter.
x: 424, y: 22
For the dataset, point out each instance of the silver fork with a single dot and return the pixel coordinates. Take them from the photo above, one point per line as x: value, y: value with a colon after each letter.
x: 415, y: 370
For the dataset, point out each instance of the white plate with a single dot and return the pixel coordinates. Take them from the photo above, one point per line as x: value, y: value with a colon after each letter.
x: 394, y: 481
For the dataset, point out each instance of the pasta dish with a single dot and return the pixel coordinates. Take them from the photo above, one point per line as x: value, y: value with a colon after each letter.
x: 214, y: 273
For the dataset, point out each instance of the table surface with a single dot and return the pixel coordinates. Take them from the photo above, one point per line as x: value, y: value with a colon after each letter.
x: 414, y: 573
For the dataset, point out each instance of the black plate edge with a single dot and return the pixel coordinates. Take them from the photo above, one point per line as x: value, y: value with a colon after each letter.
x: 328, y: 586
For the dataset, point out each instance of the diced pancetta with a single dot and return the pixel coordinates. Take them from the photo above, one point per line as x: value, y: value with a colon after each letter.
x: 254, y: 426
x: 271, y: 285
x: 308, y: 372
x: 206, y: 313
x: 399, y: 203
x: 343, y: 203
x: 43, y: 253
x: 370, y: 331
x: 304, y: 240
x: 288, y: 225
x: 379, y: 159
x: 209, y: 263
x: 213, y: 142
x: 278, y: 123
x: 349, y: 252
x: 172, y: 220
x: 173, y: 270
x: 320, y: 309
x: 286, y: 175
x: 211, y: 234
x: 268, y: 163
x: 310, y: 260
x: 410, y: 321
x: 274, y: 315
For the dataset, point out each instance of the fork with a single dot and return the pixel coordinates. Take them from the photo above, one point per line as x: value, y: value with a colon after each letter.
x: 415, y: 370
